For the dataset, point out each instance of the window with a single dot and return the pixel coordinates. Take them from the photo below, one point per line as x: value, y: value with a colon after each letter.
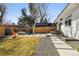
x: 61, y: 19
x: 65, y: 23
x: 68, y: 22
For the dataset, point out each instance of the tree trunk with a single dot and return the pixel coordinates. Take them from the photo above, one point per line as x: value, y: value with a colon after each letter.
x: 34, y: 27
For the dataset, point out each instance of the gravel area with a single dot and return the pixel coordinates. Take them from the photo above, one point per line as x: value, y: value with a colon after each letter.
x: 73, y: 44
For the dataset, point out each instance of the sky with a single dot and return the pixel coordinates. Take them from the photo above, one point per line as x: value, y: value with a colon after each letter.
x: 14, y: 11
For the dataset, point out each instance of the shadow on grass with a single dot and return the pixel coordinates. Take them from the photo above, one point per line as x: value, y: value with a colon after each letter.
x: 4, y: 38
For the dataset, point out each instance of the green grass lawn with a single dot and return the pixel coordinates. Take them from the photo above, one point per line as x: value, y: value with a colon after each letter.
x: 20, y: 46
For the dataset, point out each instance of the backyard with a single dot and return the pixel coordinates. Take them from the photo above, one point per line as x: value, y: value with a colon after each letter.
x: 19, y: 46
x: 31, y: 30
x: 38, y: 45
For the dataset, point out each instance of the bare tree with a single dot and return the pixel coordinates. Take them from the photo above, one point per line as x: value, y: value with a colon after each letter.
x: 38, y: 10
x: 42, y: 10
x: 34, y: 13
x: 2, y: 12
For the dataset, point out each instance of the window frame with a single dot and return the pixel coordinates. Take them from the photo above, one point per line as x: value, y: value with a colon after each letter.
x: 68, y: 21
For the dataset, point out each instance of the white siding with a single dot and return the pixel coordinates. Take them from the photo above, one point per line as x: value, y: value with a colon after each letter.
x: 70, y: 31
x: 75, y: 22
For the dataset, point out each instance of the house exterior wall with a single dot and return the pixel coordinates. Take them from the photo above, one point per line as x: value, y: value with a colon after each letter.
x: 75, y: 23
x: 65, y: 29
x: 73, y: 30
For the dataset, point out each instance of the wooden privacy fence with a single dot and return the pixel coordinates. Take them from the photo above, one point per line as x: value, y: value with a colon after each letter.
x: 3, y: 27
x: 46, y: 29
x: 41, y: 29
x: 2, y: 30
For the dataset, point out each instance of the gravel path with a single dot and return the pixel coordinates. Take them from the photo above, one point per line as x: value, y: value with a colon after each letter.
x: 46, y: 48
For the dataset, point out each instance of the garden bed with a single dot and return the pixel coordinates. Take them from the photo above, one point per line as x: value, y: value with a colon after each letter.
x: 71, y: 40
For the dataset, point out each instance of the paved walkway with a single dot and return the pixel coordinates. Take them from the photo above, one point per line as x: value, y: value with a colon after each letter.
x: 46, y: 47
x: 50, y: 45
x: 62, y: 47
